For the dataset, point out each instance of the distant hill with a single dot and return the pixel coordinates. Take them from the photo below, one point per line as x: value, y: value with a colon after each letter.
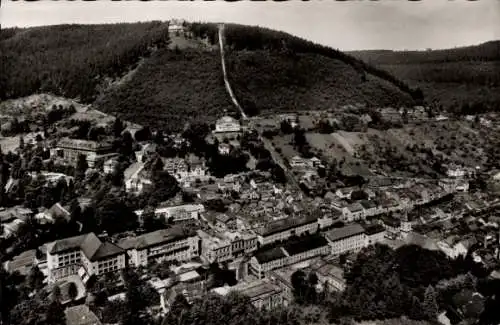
x: 141, y: 73
x: 465, y: 77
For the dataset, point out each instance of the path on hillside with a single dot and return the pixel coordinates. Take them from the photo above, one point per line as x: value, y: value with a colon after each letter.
x: 226, y: 80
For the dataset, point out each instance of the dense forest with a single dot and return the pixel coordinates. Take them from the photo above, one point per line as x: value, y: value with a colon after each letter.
x: 72, y: 60
x: 264, y: 81
x: 452, y: 78
x: 169, y: 89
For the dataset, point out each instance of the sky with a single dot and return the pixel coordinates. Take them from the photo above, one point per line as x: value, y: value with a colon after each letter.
x: 346, y: 25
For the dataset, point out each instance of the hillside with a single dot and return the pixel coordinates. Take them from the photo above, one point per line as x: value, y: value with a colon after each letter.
x: 466, y: 78
x: 72, y: 60
x: 275, y: 71
x: 141, y: 73
x: 170, y: 89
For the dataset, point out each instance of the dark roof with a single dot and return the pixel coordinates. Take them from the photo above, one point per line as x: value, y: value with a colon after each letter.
x: 285, y: 224
x: 66, y: 244
x: 355, y: 207
x: 374, y: 229
x: 89, y: 244
x: 107, y: 249
x: 305, y: 244
x: 367, y: 204
x: 224, y: 218
x: 269, y: 255
x: 154, y: 238
x: 391, y: 221
x: 345, y: 232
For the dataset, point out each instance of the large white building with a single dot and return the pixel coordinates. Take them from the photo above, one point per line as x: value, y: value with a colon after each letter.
x: 227, y: 124
x: 85, y: 255
x: 285, y: 228
x: 350, y: 238
x: 290, y: 253
x: 95, y: 152
x: 177, y: 213
x: 173, y: 244
x: 227, y: 245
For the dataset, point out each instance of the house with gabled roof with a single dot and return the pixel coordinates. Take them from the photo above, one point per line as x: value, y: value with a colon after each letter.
x: 85, y: 255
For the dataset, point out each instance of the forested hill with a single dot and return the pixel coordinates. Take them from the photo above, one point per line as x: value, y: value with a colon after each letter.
x: 463, y: 80
x: 70, y: 60
x: 140, y: 72
x: 489, y: 51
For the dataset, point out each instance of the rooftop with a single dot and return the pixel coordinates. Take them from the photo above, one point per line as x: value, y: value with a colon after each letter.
x: 154, y: 238
x: 81, y: 315
x: 345, y: 232
x: 374, y: 229
x: 82, y: 144
x: 305, y: 244
x: 355, y: 207
x: 257, y: 289
x: 285, y: 224
x: 89, y: 244
x: 268, y: 255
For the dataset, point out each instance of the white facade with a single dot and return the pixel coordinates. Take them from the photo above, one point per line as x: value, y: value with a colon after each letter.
x: 103, y: 258
x: 177, y: 213
x: 216, y: 249
x: 350, y: 244
x: 227, y: 124
x: 268, y: 238
x: 170, y: 249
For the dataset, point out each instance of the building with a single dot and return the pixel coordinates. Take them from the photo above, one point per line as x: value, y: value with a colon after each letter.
x: 374, y: 234
x: 267, y: 260
x: 84, y: 255
x: 227, y: 245
x: 135, y: 179
x: 263, y: 293
x: 283, y: 229
x: 173, y: 244
x: 21, y: 263
x: 344, y: 193
x: 81, y: 315
x: 353, y: 212
x: 369, y: 207
x: 57, y: 211
x: 227, y: 124
x: 347, y: 239
x: 110, y: 165
x: 330, y: 276
x: 224, y: 221
x: 292, y: 252
x: 95, y: 152
x: 306, y: 248
x: 176, y: 213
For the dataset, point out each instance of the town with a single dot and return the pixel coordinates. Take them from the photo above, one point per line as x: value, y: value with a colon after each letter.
x: 177, y: 173
x: 212, y: 210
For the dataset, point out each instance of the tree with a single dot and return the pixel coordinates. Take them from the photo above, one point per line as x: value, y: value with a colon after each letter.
x: 81, y: 167
x: 118, y: 127
x: 286, y: 127
x: 126, y: 145
x: 113, y: 215
x: 35, y: 278
x: 21, y: 142
x: 72, y: 290
x: 55, y: 314
x: 143, y: 134
x: 36, y: 164
x: 430, y: 306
